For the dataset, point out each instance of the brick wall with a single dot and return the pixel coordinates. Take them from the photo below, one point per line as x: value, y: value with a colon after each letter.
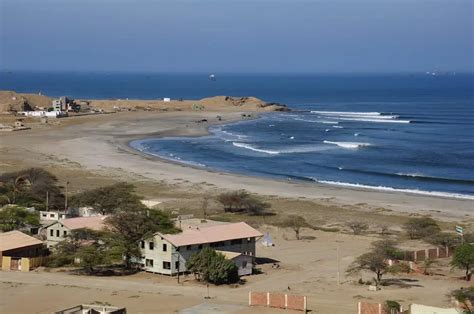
x: 278, y: 300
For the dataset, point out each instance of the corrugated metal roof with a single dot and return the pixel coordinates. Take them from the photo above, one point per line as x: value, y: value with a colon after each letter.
x: 16, y: 239
x: 211, y: 234
x: 93, y: 222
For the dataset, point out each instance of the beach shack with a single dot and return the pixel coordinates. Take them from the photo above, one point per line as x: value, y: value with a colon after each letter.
x: 167, y: 253
x: 19, y: 251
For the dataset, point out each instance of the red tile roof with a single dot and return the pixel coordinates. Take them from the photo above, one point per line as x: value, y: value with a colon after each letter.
x: 15, y: 239
x: 217, y: 233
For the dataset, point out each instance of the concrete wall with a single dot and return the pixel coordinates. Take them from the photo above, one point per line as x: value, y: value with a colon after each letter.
x: 424, y: 309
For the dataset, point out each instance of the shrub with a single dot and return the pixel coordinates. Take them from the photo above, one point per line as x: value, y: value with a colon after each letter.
x: 418, y: 228
x: 242, y: 201
x: 210, y: 266
x: 358, y: 227
x: 463, y: 258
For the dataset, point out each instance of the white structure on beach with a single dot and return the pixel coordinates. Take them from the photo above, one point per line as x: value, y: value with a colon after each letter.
x: 41, y: 114
x: 167, y: 253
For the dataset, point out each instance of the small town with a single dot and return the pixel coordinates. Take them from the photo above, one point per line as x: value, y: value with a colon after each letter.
x: 236, y: 157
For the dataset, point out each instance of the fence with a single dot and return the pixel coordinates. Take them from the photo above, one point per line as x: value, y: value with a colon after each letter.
x: 376, y: 308
x: 278, y: 300
x: 432, y: 253
x: 24, y: 264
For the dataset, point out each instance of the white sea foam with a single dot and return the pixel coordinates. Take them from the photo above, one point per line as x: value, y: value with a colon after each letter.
x: 250, y: 147
x: 374, y: 120
x: 390, y: 189
x: 316, y: 121
x: 361, y: 116
x: 351, y: 145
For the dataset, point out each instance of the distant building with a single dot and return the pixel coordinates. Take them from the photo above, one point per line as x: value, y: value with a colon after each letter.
x: 93, y: 309
x: 51, y: 215
x: 167, y: 253
x: 19, y: 251
x: 59, y: 230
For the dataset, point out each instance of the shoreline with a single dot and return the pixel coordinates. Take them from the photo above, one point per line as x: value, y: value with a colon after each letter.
x: 100, y: 144
x: 346, y: 185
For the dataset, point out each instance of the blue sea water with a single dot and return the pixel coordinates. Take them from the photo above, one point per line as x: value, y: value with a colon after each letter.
x: 392, y: 132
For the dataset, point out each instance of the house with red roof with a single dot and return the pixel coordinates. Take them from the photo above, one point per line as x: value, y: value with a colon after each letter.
x: 167, y: 253
x: 59, y: 230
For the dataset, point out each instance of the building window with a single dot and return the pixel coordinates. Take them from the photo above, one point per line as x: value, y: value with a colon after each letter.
x: 176, y: 265
x: 151, y: 245
x: 44, y: 215
x: 244, y: 264
x: 166, y: 265
x: 57, y: 233
x: 51, y: 232
x: 142, y: 244
x: 189, y: 247
x: 51, y: 215
x: 65, y: 233
x: 165, y: 248
x: 149, y: 262
x: 236, y: 241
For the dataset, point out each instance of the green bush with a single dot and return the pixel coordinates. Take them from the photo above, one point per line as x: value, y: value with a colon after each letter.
x: 211, y: 266
x: 418, y: 228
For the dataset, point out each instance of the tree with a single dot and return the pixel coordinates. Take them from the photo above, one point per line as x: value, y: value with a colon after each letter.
x: 91, y: 256
x: 443, y: 239
x: 130, y: 225
x: 463, y: 258
x: 210, y: 266
x: 418, y: 228
x: 29, y: 187
x: 296, y: 223
x: 242, y: 201
x: 357, y: 227
x: 17, y: 218
x: 376, y: 260
x: 465, y: 296
x: 108, y: 199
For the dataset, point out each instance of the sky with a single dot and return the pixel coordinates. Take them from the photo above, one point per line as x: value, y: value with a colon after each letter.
x: 261, y: 36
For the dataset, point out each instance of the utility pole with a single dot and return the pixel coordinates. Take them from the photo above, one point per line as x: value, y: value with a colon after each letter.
x: 338, y: 267
x: 65, y: 199
x: 47, y: 201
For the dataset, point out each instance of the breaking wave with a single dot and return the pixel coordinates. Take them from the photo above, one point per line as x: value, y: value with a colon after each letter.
x: 391, y: 189
x: 350, y: 145
x: 361, y: 116
x: 250, y: 147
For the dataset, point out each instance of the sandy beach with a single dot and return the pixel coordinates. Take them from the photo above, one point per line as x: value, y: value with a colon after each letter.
x: 99, y: 143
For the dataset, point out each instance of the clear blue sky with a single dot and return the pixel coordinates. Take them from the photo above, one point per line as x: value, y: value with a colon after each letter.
x: 237, y: 36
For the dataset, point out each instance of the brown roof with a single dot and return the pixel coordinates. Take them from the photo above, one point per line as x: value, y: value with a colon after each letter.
x: 211, y: 234
x: 15, y: 239
x: 93, y: 222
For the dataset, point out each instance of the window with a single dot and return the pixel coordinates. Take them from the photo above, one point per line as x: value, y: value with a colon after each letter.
x: 57, y: 233
x: 189, y: 247
x: 165, y: 248
x: 244, y: 264
x: 149, y: 262
x: 44, y: 215
x: 51, y: 215
x: 151, y: 245
x: 176, y: 265
x: 65, y: 233
x: 236, y: 241
x: 166, y: 265
x: 51, y: 232
x: 142, y: 244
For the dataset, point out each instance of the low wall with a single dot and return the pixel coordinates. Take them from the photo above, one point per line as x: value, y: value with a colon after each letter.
x: 432, y: 253
x: 278, y: 300
x: 26, y: 263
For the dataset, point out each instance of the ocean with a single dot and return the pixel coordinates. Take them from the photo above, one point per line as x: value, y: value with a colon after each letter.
x: 404, y: 132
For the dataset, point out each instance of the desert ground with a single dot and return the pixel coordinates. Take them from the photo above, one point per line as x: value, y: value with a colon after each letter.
x: 91, y: 151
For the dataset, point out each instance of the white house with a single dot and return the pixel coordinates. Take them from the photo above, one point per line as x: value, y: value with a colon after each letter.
x: 167, y: 253
x: 59, y: 230
x: 52, y: 215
